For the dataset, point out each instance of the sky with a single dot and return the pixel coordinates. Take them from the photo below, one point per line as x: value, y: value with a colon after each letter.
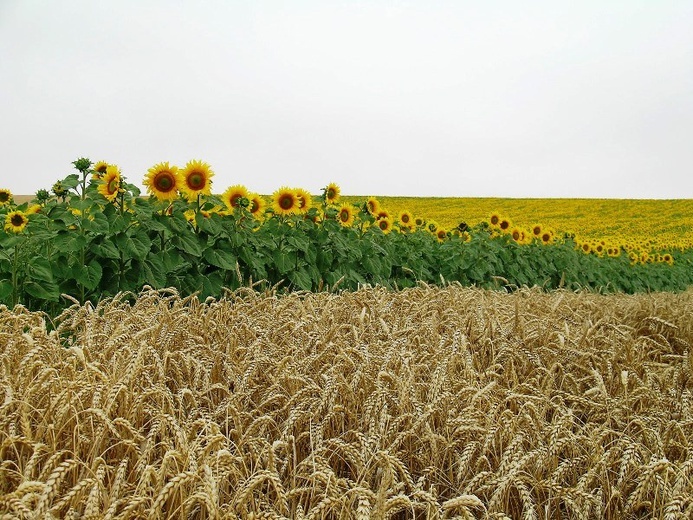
x: 532, y: 98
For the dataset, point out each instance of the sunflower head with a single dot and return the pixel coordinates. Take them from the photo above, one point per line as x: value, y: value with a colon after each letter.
x: 233, y: 196
x: 372, y: 206
x: 33, y: 209
x: 546, y: 237
x: 420, y: 222
x: 504, y: 224
x: 384, y: 224
x: 331, y: 193
x: 285, y: 201
x: 441, y: 234
x: 345, y: 216
x: 495, y: 219
x: 536, y: 230
x: 99, y: 170
x: 15, y: 221
x: 406, y: 219
x: 5, y: 197
x: 110, y: 183
x: 257, y: 205
x: 432, y: 226
x: 163, y: 181
x: 517, y: 234
x: 305, y: 200
x: 196, y: 179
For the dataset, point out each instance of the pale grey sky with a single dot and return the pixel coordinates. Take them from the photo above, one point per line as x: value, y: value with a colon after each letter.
x: 545, y: 98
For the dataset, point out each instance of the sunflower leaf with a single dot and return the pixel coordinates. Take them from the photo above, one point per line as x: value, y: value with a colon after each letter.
x: 220, y: 259
x: 43, y: 291
x: 90, y: 275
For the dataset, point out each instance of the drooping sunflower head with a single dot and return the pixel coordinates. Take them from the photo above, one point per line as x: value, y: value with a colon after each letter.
x: 5, y: 197
x: 233, y: 195
x: 495, y: 219
x: 110, y: 183
x: 285, y: 201
x: 257, y: 205
x: 196, y: 179
x: 331, y: 193
x: 15, y: 221
x: 385, y: 225
x: 163, y: 181
x: 372, y: 206
x: 33, y: 209
x: 305, y: 200
x: 406, y: 219
x: 345, y: 216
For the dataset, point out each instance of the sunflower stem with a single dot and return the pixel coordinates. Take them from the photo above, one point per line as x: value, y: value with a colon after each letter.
x: 15, y: 266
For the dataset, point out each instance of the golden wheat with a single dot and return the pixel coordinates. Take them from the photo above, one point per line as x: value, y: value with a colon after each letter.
x: 425, y: 403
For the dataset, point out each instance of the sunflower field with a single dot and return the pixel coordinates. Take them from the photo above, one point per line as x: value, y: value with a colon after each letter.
x: 95, y: 235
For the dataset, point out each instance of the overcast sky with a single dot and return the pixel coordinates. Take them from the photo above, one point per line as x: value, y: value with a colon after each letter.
x: 434, y: 98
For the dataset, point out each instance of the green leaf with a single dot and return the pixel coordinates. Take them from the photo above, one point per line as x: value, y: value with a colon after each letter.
x: 284, y: 260
x: 136, y: 246
x: 97, y: 224
x: 90, y: 275
x: 221, y: 259
x: 40, y: 269
x: 5, y: 289
x: 69, y: 242
x: 43, y: 290
x: 301, y: 279
x: 106, y: 249
x: 189, y: 243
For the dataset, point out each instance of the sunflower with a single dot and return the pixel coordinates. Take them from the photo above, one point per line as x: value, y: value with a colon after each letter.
x: 285, y: 201
x: 432, y: 226
x: 382, y: 213
x: 257, y: 205
x: 110, y: 183
x: 5, y: 197
x: 420, y: 222
x: 536, y: 230
x: 372, y: 205
x: 163, y: 181
x: 346, y: 215
x: 33, y: 209
x: 15, y: 221
x: 196, y: 179
x: 668, y: 258
x: 233, y: 195
x: 441, y: 234
x: 504, y: 224
x: 305, y: 200
x: 547, y: 237
x: 406, y: 219
x: 517, y: 234
x: 332, y: 193
x: 495, y: 219
x: 586, y: 248
x: 99, y: 169
x: 385, y: 225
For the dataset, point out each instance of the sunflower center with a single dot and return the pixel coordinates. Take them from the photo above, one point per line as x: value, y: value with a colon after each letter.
x: 17, y: 220
x: 164, y: 182
x: 494, y: 220
x: 344, y: 215
x: 196, y: 181
x: 383, y: 224
x: 112, y: 186
x: 405, y: 219
x: 331, y: 194
x: 234, y: 200
x: 4, y: 196
x: 286, y: 202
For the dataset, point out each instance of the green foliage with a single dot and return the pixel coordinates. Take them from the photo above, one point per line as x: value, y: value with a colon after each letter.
x: 81, y: 244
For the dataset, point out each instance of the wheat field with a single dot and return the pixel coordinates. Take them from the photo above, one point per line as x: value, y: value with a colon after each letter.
x: 424, y: 403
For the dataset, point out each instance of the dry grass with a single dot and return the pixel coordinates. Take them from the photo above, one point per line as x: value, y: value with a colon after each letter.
x: 424, y: 403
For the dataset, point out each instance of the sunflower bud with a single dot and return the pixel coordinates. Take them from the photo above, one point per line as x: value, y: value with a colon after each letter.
x: 82, y: 164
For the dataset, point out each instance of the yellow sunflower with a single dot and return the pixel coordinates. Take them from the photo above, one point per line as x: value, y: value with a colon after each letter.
x: 517, y: 234
x: 110, y: 183
x: 495, y: 219
x: 406, y: 219
x: 382, y: 213
x: 99, y: 170
x: 547, y: 237
x: 385, y: 225
x: 332, y: 193
x: 667, y: 258
x: 536, y: 231
x: 346, y: 215
x: 372, y: 205
x: 163, y: 181
x: 233, y: 195
x: 441, y: 234
x: 5, y: 197
x: 504, y: 225
x: 196, y: 179
x: 33, y: 209
x: 285, y: 201
x: 15, y: 221
x: 420, y: 222
x: 257, y: 205
x: 305, y: 200
x: 432, y: 226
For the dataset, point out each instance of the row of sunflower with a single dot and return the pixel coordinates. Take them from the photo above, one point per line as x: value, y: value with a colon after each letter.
x: 95, y: 235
